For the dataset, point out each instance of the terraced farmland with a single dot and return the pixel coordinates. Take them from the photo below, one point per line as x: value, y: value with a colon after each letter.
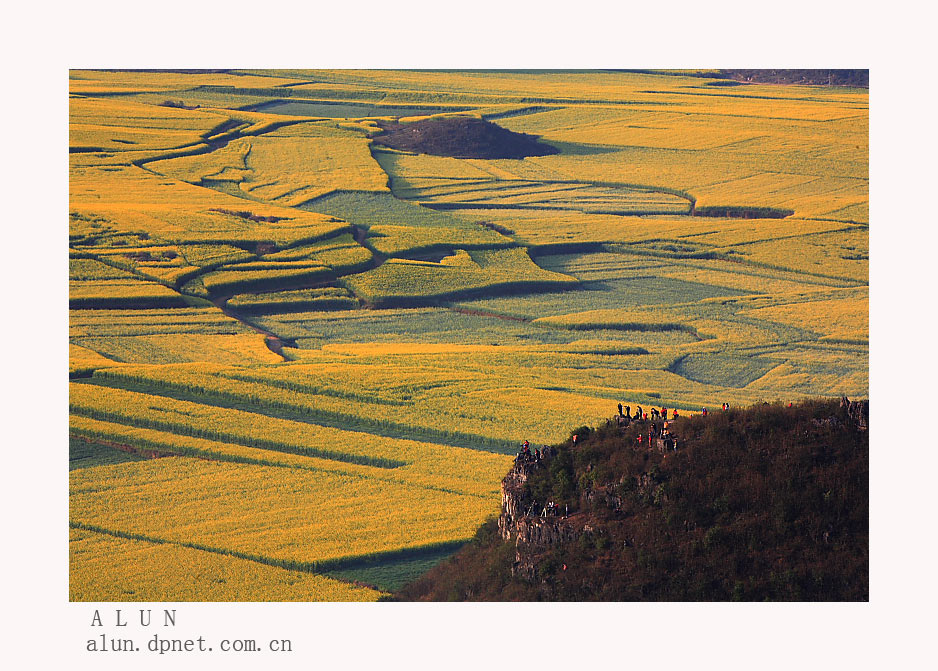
x: 314, y: 355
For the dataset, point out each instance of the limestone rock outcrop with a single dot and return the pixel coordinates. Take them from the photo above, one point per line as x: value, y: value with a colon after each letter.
x: 534, y: 529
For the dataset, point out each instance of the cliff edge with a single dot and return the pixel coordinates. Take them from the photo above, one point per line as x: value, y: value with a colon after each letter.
x: 764, y: 503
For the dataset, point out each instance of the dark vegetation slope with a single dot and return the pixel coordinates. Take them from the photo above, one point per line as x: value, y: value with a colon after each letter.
x: 461, y: 137
x: 817, y: 77
x: 765, y: 503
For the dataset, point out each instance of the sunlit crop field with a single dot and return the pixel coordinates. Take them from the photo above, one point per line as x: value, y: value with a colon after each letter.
x: 299, y: 360
x: 282, y: 516
x: 150, y: 572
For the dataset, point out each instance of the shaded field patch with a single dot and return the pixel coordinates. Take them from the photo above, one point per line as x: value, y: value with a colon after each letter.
x: 723, y: 369
x: 85, y: 454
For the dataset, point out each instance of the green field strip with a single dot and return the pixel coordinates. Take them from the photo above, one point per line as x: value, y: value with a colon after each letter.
x: 367, y: 209
x: 321, y: 566
x: 776, y: 238
x: 467, y: 186
x: 141, y: 442
x: 302, y: 412
x: 489, y: 195
x: 233, y: 281
x: 560, y: 323
x: 164, y: 442
x: 834, y: 345
x: 444, y: 296
x: 443, y: 207
x: 442, y: 179
x: 179, y: 428
x: 751, y: 269
x: 134, y: 270
x: 499, y: 188
x: 258, y: 306
x: 200, y: 321
x: 847, y: 282
x: 273, y: 265
x: 839, y: 344
x: 593, y: 191
x: 391, y: 573
x: 862, y: 225
x: 246, y: 375
x: 249, y: 429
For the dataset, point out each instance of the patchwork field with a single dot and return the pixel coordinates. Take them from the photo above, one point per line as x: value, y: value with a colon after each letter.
x: 300, y: 362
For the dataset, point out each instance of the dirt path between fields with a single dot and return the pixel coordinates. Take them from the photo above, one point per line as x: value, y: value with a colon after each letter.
x: 274, y: 342
x: 147, y: 454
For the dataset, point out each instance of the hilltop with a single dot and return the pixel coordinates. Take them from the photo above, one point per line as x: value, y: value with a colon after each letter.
x: 765, y: 503
x: 461, y: 137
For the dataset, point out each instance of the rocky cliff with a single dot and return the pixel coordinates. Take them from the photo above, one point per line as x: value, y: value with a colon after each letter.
x: 534, y: 526
x: 763, y: 503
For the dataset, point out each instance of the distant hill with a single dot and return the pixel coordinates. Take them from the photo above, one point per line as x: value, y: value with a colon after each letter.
x: 765, y: 503
x: 821, y: 77
x: 859, y: 78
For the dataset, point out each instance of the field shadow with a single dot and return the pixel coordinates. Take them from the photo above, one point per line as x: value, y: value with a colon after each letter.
x: 579, y: 149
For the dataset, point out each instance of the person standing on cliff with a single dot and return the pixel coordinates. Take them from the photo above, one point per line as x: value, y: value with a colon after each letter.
x: 620, y: 410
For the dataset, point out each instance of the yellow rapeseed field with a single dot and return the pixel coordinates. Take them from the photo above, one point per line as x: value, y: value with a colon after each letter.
x: 134, y: 200
x: 96, y: 124
x: 162, y: 348
x: 483, y: 270
x: 284, y: 170
x: 206, y: 321
x: 837, y: 318
x: 83, y: 360
x: 122, y: 292
x: 464, y: 470
x: 341, y: 344
x: 291, y: 171
x: 170, y: 572
x: 276, y: 514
